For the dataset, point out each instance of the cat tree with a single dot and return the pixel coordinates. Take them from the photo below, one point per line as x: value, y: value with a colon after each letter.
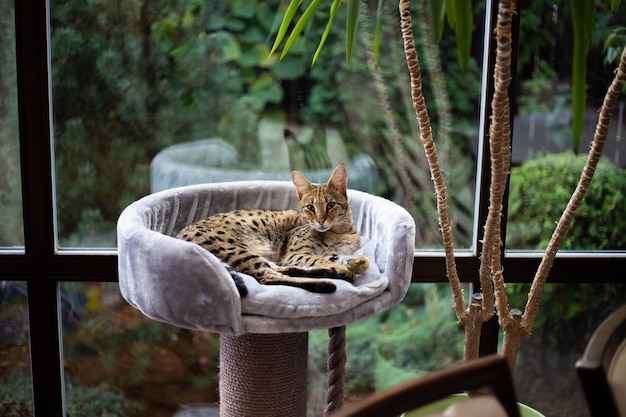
x: 263, y: 335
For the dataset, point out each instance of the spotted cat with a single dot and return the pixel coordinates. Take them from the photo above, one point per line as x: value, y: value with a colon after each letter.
x: 305, y: 248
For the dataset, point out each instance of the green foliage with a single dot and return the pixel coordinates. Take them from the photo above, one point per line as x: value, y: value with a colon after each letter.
x: 419, y: 335
x: 614, y: 45
x: 570, y: 310
x: 423, y: 337
x: 569, y: 38
x: 583, y: 16
x: 81, y: 401
x: 115, y: 344
x: 95, y: 337
x: 540, y: 190
x: 543, y: 92
x: 96, y: 401
x: 459, y: 16
x: 11, y: 230
x: 16, y: 396
x: 133, y: 77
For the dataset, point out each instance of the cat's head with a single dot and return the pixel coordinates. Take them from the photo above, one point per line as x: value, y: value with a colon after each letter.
x: 325, y: 206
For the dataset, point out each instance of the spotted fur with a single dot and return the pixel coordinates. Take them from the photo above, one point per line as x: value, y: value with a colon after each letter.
x: 306, y: 248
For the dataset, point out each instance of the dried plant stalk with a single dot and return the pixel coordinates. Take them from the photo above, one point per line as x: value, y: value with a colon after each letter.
x: 514, y: 329
x: 515, y: 324
x: 426, y: 137
x: 500, y: 150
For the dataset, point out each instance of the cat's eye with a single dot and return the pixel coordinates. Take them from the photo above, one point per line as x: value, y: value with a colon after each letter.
x: 330, y: 205
x: 310, y: 207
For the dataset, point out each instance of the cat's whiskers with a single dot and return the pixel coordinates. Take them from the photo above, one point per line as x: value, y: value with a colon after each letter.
x: 306, y: 226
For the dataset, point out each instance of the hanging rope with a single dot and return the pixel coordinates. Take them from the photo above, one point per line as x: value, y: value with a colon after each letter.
x: 336, y: 369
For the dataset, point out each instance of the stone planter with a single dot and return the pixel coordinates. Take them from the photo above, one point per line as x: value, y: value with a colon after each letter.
x: 214, y: 160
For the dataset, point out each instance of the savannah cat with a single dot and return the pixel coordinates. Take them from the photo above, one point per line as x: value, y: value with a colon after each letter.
x: 287, y: 247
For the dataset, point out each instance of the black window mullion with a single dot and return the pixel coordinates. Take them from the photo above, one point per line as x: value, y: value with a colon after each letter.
x: 485, y: 165
x: 491, y: 328
x: 35, y: 149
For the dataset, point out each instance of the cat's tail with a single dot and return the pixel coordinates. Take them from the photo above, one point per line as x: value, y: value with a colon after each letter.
x: 266, y: 272
x: 238, y: 279
x: 272, y: 277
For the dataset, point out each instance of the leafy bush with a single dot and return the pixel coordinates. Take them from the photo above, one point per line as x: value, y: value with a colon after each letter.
x: 11, y: 228
x: 16, y: 399
x: 419, y: 335
x: 16, y: 396
x: 540, y: 190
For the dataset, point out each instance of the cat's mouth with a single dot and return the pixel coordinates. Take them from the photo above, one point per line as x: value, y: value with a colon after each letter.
x: 321, y: 227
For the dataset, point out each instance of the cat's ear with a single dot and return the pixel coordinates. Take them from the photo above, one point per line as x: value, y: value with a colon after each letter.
x: 302, y: 184
x: 339, y: 179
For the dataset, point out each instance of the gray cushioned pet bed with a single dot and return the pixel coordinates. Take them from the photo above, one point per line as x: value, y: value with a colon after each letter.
x: 182, y: 284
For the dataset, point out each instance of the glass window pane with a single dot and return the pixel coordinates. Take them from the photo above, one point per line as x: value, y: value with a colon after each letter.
x: 417, y: 336
x: 119, y: 362
x: 546, y: 169
x: 148, y: 368
x: 152, y: 95
x: 11, y: 227
x: 16, y: 396
x: 545, y: 375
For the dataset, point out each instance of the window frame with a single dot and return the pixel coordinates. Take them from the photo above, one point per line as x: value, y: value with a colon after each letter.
x: 43, y: 267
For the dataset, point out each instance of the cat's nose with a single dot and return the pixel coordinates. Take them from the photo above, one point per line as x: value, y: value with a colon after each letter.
x: 322, y: 226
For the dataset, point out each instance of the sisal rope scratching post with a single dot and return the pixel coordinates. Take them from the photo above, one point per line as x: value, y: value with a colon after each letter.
x: 263, y: 375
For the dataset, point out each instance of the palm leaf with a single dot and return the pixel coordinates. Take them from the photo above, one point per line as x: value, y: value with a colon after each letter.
x: 379, y: 13
x: 352, y: 24
x: 302, y: 22
x: 284, y: 25
x: 583, y: 19
x: 460, y: 18
x: 615, y: 5
x: 331, y: 18
x: 437, y: 9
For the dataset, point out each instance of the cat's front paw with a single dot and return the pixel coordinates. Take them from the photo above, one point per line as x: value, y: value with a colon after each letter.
x: 358, y: 265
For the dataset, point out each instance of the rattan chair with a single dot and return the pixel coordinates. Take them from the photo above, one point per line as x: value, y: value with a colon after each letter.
x: 490, y: 372
x: 602, y: 369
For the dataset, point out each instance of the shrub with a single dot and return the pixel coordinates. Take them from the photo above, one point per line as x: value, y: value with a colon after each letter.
x: 540, y: 190
x: 16, y: 399
x: 419, y: 335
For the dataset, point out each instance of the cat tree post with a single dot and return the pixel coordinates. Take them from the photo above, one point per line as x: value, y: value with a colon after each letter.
x: 263, y: 375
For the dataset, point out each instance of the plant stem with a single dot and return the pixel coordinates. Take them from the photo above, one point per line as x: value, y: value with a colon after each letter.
x: 602, y: 127
x: 426, y: 137
x: 436, y: 76
x: 500, y: 149
x: 400, y: 165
